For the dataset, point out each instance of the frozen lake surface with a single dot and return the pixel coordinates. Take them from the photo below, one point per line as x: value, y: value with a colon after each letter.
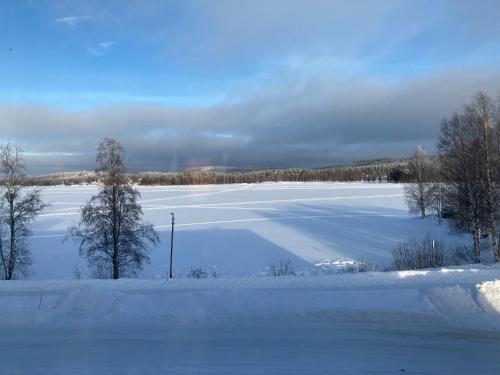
x: 239, y: 230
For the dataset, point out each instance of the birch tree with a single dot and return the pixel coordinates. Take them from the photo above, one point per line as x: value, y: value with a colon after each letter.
x: 111, y: 232
x: 439, y: 189
x: 481, y: 117
x: 20, y: 206
x: 419, y: 193
x: 469, y: 145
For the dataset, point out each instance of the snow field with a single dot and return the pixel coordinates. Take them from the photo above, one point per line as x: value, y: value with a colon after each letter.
x: 239, y: 230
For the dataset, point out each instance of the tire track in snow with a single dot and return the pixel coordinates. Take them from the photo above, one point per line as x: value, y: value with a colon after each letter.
x: 79, y: 204
x: 279, y: 218
x: 257, y: 219
x: 292, y: 200
x: 190, y: 195
x: 235, y: 204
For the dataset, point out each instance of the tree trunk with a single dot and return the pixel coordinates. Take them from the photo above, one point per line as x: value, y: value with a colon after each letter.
x: 422, y: 202
x: 477, y: 243
x: 12, y: 254
x: 490, y: 185
x: 116, y: 270
x: 494, y: 242
x: 116, y: 267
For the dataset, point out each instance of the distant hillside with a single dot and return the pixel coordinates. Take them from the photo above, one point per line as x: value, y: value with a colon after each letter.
x: 64, y: 178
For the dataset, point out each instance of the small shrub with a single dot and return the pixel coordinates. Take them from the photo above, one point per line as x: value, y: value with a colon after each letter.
x: 215, y: 274
x: 462, y: 255
x: 282, y: 268
x: 100, y: 272
x: 333, y: 266
x: 418, y: 254
x: 198, y: 273
x: 77, y: 273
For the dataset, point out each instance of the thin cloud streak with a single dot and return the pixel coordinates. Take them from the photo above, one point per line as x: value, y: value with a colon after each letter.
x: 72, y: 21
x: 107, y: 44
x: 101, y: 48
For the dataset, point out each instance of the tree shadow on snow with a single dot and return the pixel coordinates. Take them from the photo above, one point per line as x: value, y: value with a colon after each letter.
x: 365, y: 233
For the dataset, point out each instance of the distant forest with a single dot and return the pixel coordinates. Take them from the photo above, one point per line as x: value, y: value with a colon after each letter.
x: 391, y: 170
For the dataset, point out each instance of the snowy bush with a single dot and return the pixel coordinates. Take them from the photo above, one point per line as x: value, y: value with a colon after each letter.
x: 77, y: 272
x: 215, y: 274
x: 355, y: 266
x: 426, y: 253
x: 198, y: 273
x: 462, y: 255
x: 99, y: 271
x: 334, y: 266
x: 417, y: 254
x: 282, y: 268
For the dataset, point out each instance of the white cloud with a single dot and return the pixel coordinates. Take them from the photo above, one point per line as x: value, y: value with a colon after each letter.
x: 106, y: 44
x: 101, y: 48
x: 94, y: 51
x: 72, y: 21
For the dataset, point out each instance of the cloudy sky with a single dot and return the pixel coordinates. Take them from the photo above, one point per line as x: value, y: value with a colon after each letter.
x: 261, y: 83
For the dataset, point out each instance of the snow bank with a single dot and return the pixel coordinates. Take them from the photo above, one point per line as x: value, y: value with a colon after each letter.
x: 468, y: 297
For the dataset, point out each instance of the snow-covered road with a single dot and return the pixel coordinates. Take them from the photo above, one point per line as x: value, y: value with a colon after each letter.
x: 249, y: 348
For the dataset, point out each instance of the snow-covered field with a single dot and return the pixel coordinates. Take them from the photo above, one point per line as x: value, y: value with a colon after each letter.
x: 415, y: 322
x: 239, y: 230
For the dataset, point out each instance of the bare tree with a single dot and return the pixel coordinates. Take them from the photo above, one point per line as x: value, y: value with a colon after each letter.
x: 438, y: 189
x: 481, y: 116
x: 459, y: 166
x: 469, y: 145
x: 20, y: 206
x: 111, y: 232
x: 419, y: 193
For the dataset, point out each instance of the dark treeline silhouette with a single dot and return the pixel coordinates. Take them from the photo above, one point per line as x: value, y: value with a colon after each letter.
x: 377, y: 170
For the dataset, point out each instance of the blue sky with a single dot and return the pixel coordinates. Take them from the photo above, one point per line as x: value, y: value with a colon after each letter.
x: 238, y: 82
x: 75, y: 61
